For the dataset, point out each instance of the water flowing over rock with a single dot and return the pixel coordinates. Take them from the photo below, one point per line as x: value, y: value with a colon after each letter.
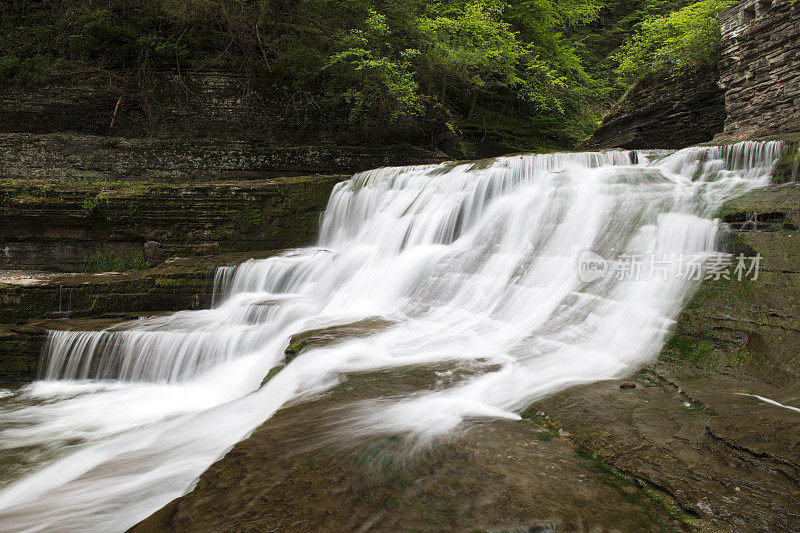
x: 468, y: 263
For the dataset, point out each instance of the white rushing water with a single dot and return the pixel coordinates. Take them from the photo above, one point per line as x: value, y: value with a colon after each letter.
x: 472, y: 263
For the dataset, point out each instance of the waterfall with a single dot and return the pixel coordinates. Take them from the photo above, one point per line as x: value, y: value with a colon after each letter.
x: 469, y: 262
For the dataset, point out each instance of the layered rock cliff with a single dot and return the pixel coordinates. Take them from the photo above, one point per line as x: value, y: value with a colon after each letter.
x: 760, y: 69
x: 664, y: 113
x: 63, y: 224
x: 754, y: 91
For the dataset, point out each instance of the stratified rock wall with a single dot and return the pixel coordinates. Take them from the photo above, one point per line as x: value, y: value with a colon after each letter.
x: 760, y: 68
x: 664, y: 113
x: 60, y: 225
x: 186, y: 104
x: 753, y: 93
x: 67, y: 155
x: 177, y: 125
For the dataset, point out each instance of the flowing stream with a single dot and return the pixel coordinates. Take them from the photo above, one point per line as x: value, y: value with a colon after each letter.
x: 470, y: 263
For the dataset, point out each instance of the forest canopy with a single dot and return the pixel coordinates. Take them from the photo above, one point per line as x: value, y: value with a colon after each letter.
x: 396, y: 67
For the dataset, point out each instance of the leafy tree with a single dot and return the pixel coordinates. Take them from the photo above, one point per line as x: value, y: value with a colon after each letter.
x: 676, y: 43
x: 526, y: 74
x: 384, y: 80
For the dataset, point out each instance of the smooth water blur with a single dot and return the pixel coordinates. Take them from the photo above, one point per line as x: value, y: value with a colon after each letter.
x: 473, y: 262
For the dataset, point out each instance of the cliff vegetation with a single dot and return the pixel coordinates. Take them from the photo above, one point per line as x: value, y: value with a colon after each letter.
x: 525, y: 74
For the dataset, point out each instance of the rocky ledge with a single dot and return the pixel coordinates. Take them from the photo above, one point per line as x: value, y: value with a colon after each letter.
x: 664, y: 113
x: 74, y: 155
x: 74, y: 225
x: 34, y: 302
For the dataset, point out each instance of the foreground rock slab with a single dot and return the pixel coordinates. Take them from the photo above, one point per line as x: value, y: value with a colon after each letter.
x: 717, y: 455
x: 295, y: 473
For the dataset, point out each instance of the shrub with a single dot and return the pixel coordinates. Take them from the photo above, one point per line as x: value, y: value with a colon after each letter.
x: 115, y: 262
x: 675, y: 44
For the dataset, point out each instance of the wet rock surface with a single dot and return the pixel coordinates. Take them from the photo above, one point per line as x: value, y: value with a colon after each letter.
x: 719, y: 458
x: 296, y: 474
x: 686, y: 450
x: 33, y: 302
x: 708, y: 440
x: 752, y: 326
x: 316, y: 338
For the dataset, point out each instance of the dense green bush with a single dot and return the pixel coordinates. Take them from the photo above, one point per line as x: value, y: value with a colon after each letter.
x: 676, y: 43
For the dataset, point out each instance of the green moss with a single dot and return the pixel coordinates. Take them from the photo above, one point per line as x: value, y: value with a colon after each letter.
x: 248, y: 218
x: 621, y: 481
x: 294, y: 349
x: 688, y: 349
x: 704, y: 354
x: 271, y: 374
x: 19, y: 356
x: 115, y: 262
x: 548, y: 430
x: 291, y: 351
x: 92, y: 205
x: 788, y: 167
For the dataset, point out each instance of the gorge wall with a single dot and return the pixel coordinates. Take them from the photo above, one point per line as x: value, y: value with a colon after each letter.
x: 664, y: 113
x: 197, y: 103
x: 188, y: 125
x: 60, y: 226
x: 760, y: 69
x: 189, y: 164
x: 753, y: 92
x: 85, y: 156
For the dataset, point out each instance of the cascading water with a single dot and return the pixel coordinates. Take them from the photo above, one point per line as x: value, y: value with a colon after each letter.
x: 473, y: 262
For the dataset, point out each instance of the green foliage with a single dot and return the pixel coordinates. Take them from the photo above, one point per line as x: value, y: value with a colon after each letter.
x: 526, y: 74
x: 473, y: 48
x: 597, y: 42
x: 380, y: 68
x: 384, y: 80
x: 91, y: 205
x: 677, y: 43
x: 115, y: 262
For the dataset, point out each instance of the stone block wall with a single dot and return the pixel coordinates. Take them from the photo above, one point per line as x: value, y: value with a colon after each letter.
x: 760, y: 69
